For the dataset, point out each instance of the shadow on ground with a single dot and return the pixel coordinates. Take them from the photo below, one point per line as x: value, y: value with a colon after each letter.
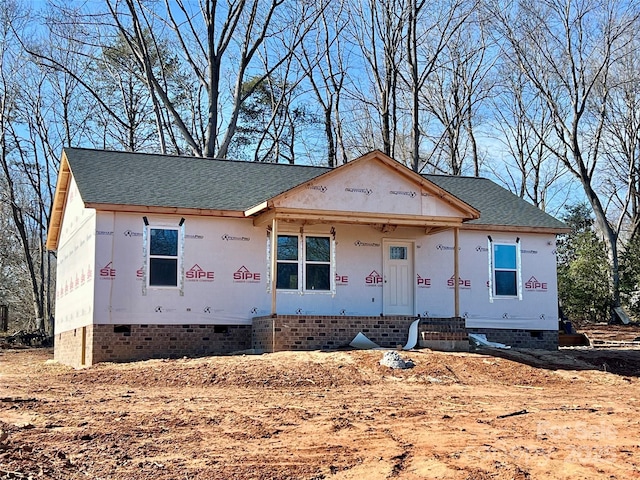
x: 619, y: 361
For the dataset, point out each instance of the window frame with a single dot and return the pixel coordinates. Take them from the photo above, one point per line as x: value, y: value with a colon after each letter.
x: 302, y: 263
x: 176, y: 257
x: 288, y: 261
x: 307, y: 262
x: 517, y: 270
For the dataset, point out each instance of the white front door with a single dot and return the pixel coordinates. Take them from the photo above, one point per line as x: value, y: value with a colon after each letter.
x: 398, y: 286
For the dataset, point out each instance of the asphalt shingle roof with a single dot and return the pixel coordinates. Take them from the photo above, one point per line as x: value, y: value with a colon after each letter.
x: 497, y: 205
x: 124, y: 178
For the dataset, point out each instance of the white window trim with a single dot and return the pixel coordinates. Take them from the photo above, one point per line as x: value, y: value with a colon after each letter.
x: 302, y: 263
x: 178, y: 257
x: 492, y: 269
x: 306, y: 262
x: 291, y: 262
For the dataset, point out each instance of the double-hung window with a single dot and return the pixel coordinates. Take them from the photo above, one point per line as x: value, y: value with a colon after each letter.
x: 163, y: 257
x: 304, y: 265
x: 288, y: 257
x: 505, y: 269
x: 317, y: 264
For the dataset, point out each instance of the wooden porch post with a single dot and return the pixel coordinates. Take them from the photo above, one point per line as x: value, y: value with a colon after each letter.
x: 456, y: 273
x: 274, y: 263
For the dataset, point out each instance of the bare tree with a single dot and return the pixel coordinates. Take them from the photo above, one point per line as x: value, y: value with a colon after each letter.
x: 14, y: 279
x: 523, y: 125
x: 566, y: 49
x: 621, y: 172
x: 322, y: 57
x: 454, y: 94
x: 217, y: 46
x: 22, y: 174
x: 226, y: 43
x: 378, y: 28
x: 429, y: 32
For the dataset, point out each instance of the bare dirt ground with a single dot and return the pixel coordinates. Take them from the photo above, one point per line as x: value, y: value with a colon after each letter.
x: 572, y: 414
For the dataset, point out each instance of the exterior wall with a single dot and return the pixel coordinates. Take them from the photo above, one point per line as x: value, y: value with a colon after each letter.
x: 516, y: 338
x: 232, y: 256
x: 222, y: 266
x: 75, y: 274
x: 359, y: 278
x: 118, y: 343
x: 537, y: 308
x: 295, y: 332
x: 121, y: 343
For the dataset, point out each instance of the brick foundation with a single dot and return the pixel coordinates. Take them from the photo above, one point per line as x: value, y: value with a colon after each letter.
x: 445, y: 334
x: 121, y: 343
x: 68, y: 346
x: 541, y: 339
x: 301, y: 332
x: 442, y: 329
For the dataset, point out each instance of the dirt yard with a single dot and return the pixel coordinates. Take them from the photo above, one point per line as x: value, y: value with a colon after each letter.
x: 573, y: 414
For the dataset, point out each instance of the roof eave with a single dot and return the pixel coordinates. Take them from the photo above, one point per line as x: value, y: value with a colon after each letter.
x: 515, y: 228
x: 59, y: 204
x: 256, y: 209
x: 149, y: 209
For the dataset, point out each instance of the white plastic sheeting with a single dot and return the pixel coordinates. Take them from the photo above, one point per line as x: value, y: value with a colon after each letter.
x: 362, y: 342
x: 225, y: 261
x: 412, y: 339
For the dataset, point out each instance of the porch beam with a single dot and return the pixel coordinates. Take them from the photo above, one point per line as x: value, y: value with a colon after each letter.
x: 264, y: 219
x: 358, y: 218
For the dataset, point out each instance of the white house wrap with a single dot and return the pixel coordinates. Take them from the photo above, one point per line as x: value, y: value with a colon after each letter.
x: 165, y: 255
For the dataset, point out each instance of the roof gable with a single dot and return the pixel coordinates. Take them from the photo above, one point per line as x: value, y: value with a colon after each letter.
x: 374, y: 183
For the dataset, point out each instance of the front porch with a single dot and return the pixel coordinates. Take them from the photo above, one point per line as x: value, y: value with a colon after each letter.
x: 323, y: 332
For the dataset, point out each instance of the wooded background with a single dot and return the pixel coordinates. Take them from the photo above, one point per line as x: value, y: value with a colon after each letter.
x: 542, y: 97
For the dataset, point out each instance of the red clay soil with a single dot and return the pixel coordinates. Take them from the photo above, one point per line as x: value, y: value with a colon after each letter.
x: 571, y: 414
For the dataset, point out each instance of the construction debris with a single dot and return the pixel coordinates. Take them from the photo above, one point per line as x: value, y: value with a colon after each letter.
x: 28, y: 339
x: 480, y: 340
x: 361, y: 342
x: 412, y: 339
x: 622, y: 315
x: 393, y: 359
x: 513, y: 414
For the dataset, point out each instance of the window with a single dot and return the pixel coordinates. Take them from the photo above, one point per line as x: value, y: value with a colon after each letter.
x: 317, y: 263
x: 505, y: 270
x: 287, y: 271
x: 163, y: 257
x: 314, y: 264
x: 397, y: 253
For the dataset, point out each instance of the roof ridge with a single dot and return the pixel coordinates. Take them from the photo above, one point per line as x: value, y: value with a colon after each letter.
x: 193, y: 157
x: 446, y: 175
